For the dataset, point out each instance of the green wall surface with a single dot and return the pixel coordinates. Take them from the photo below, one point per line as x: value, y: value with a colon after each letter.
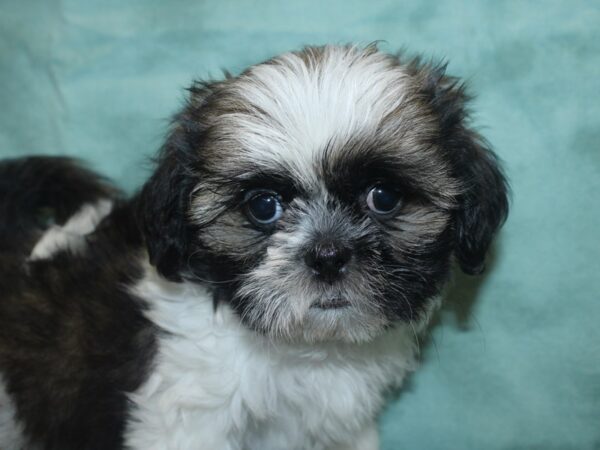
x: 513, y: 360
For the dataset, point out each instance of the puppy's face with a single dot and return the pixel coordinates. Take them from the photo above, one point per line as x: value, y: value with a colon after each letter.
x: 325, y: 192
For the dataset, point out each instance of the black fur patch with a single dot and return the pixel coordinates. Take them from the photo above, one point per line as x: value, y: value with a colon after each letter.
x: 39, y: 190
x: 73, y: 341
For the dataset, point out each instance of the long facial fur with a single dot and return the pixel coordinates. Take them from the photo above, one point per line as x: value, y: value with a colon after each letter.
x: 319, y: 126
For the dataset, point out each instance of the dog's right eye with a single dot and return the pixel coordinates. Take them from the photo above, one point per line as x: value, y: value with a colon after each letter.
x: 263, y: 208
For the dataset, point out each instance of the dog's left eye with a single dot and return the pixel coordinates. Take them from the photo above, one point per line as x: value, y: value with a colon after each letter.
x: 263, y: 207
x: 383, y: 200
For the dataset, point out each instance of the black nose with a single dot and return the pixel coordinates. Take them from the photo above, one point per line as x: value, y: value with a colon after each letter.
x: 328, y: 261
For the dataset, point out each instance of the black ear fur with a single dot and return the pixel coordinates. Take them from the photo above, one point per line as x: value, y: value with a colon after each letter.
x: 162, y: 208
x: 483, y: 205
x: 164, y: 201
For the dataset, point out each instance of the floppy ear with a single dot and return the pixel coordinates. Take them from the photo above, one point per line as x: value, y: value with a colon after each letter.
x: 164, y: 201
x: 483, y: 205
x: 162, y: 211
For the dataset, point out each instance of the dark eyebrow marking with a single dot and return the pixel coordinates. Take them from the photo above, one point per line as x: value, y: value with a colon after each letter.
x: 279, y: 181
x: 347, y: 176
x: 349, y: 172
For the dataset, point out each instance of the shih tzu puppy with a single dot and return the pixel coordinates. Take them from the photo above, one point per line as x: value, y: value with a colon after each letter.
x: 265, y: 287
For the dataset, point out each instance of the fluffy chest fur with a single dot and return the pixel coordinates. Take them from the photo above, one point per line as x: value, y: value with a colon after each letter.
x: 216, y: 385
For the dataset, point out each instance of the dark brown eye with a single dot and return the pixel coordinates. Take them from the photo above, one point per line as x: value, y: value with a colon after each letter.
x: 383, y: 200
x: 263, y: 207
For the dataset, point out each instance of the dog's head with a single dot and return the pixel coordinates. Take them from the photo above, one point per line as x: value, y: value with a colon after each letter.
x: 324, y: 193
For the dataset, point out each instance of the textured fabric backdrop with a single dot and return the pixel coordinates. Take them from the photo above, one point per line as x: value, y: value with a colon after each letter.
x: 514, y: 358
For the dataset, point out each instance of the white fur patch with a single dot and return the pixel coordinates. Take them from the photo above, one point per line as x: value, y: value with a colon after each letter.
x: 11, y: 431
x: 308, y: 107
x: 218, y: 385
x: 72, y: 234
x: 367, y: 439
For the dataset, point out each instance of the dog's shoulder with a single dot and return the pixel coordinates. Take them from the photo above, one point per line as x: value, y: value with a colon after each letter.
x: 73, y: 339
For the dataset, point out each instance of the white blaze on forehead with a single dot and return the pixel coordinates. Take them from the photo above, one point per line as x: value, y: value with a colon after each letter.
x: 311, y: 101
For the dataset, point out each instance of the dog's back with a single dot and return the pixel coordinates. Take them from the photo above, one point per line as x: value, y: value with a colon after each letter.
x: 72, y: 340
x: 38, y: 192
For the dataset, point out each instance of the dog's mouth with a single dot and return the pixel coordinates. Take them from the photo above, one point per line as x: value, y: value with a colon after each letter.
x: 331, y: 303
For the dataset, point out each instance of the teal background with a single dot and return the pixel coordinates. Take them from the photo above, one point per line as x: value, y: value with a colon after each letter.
x: 513, y: 361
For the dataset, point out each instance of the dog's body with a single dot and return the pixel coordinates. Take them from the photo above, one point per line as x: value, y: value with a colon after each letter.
x: 151, y: 363
x: 265, y: 287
